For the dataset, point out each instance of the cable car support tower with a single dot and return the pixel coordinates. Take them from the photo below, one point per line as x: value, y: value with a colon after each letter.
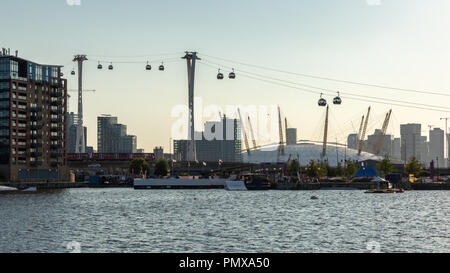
x: 80, y: 146
x: 191, y: 58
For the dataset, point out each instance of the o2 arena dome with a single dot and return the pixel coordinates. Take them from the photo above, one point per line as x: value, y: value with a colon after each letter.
x: 306, y: 152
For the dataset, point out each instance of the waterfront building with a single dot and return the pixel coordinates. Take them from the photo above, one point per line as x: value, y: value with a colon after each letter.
x: 291, y: 136
x: 112, y: 137
x: 33, y: 103
x: 221, y: 140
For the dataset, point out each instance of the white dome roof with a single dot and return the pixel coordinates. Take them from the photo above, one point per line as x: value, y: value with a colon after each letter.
x: 306, y: 152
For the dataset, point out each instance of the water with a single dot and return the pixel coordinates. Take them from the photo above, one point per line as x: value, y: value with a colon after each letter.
x: 125, y: 220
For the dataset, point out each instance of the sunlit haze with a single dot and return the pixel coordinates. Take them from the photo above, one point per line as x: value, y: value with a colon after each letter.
x: 396, y: 43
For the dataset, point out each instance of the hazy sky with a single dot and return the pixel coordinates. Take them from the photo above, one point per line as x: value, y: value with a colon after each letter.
x: 401, y: 43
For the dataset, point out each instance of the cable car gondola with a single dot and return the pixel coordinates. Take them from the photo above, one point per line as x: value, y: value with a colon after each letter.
x: 161, y: 67
x: 220, y: 75
x: 232, y: 75
x: 61, y: 74
x: 73, y: 72
x: 337, y: 100
x: 322, y: 101
x: 99, y: 66
x: 148, y: 67
x: 110, y: 67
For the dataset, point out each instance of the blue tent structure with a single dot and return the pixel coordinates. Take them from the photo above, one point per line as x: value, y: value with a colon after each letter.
x: 366, y: 171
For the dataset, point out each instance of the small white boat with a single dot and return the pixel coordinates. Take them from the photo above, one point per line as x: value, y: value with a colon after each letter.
x: 179, y: 183
x: 7, y: 189
x: 235, y: 186
x: 30, y: 189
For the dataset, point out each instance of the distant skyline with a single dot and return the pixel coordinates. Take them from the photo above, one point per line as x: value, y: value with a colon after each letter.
x: 400, y: 43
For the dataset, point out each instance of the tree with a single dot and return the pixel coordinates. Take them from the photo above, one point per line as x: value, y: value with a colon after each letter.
x: 385, y: 166
x: 339, y: 169
x: 315, y: 169
x: 312, y: 169
x: 139, y: 166
x: 161, y: 167
x: 413, y: 167
x: 293, y: 167
x: 351, y: 168
x: 323, y: 169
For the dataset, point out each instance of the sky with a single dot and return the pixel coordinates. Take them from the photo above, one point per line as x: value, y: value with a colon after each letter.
x: 399, y: 43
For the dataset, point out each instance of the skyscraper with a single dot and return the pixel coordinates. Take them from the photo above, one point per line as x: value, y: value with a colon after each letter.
x: 112, y: 137
x: 412, y: 142
x: 221, y: 140
x: 291, y: 136
x: 352, y: 141
x: 437, y: 148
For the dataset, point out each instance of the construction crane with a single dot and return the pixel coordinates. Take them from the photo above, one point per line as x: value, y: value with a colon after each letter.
x: 325, y: 134
x: 383, y: 132
x: 363, y: 135
x: 286, y: 130
x: 281, y: 146
x: 247, y: 146
x: 253, y: 134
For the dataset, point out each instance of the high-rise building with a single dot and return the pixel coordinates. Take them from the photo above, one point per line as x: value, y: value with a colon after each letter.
x: 448, y: 150
x: 412, y: 142
x: 33, y: 103
x: 396, y: 149
x: 436, y: 147
x: 72, y: 121
x: 352, y: 141
x: 372, y: 142
x: 291, y: 136
x: 220, y: 141
x: 112, y: 137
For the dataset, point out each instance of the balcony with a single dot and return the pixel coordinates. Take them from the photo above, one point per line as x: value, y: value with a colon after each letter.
x: 36, y: 109
x: 56, y: 112
x: 35, y: 163
x: 35, y: 118
x: 54, y: 138
x: 56, y: 120
x: 35, y: 145
x: 35, y: 127
x: 35, y: 154
x: 56, y: 103
x: 35, y: 136
x: 55, y: 146
x: 56, y: 154
x: 56, y: 94
x: 56, y: 129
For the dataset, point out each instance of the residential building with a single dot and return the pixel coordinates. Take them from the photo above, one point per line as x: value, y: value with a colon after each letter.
x: 33, y: 103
